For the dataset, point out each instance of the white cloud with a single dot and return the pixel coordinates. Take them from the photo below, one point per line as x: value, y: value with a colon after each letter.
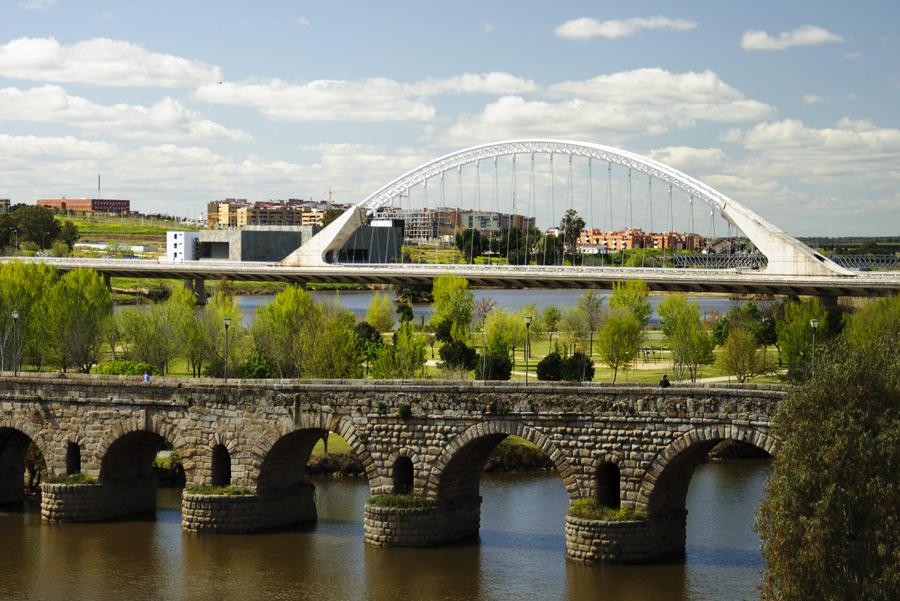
x: 14, y: 147
x: 368, y: 100
x: 813, y: 99
x: 487, y: 28
x: 167, y: 119
x: 613, y: 107
x: 301, y: 21
x: 587, y: 28
x: 807, y: 35
x: 100, y: 61
x: 852, y: 148
x: 36, y: 5
x: 691, y: 160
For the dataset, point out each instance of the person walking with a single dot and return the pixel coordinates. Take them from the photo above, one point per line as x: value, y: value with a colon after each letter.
x: 146, y: 376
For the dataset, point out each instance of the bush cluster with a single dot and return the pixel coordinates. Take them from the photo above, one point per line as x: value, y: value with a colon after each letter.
x: 401, y: 501
x: 574, y: 368
x: 209, y: 489
x: 591, y: 509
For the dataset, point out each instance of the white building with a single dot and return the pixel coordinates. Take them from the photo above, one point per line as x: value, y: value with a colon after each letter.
x: 181, y: 246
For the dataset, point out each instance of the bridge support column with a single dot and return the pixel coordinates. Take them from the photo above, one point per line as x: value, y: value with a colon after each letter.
x: 95, y: 502
x: 198, y: 287
x: 107, y: 279
x: 640, y: 541
x: 421, y: 526
x: 237, y: 514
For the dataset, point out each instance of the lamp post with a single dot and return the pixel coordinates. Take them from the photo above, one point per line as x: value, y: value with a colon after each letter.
x: 226, y: 320
x: 15, y: 357
x: 814, y: 324
x: 527, y: 346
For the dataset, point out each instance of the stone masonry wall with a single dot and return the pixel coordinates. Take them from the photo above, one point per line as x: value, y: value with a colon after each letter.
x: 596, y: 541
x: 421, y: 527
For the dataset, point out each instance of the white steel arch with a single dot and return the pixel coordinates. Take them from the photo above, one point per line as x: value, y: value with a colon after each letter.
x: 786, y: 255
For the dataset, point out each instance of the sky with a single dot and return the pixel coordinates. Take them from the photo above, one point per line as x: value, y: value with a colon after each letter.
x: 789, y: 108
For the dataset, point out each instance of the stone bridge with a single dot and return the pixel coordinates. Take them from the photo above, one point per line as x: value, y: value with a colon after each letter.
x: 625, y: 446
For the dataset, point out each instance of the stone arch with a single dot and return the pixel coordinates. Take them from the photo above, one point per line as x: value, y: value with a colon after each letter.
x: 73, y: 458
x: 472, y: 447
x: 141, y: 436
x: 16, y: 436
x: 310, y: 422
x: 663, y: 488
x: 607, y: 480
x: 417, y: 470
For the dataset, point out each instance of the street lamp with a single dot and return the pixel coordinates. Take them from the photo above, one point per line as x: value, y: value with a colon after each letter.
x: 527, y: 347
x: 15, y: 357
x: 227, y: 320
x: 16, y: 232
x: 814, y: 324
x: 43, y: 238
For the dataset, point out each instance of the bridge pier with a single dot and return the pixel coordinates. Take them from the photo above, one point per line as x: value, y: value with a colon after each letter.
x: 422, y: 526
x: 638, y: 541
x: 198, y: 287
x: 237, y: 514
x: 64, y: 503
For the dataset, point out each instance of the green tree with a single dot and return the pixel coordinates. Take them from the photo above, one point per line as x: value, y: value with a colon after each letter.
x: 403, y: 358
x: 69, y: 234
x: 381, y: 312
x: 740, y: 355
x: 77, y: 308
x: 404, y: 312
x: 879, y: 317
x: 286, y: 330
x: 569, y: 229
x: 493, y: 365
x: 632, y: 296
x: 575, y: 328
x: 368, y: 341
x: 453, y: 305
x: 830, y: 522
x: 458, y: 355
x: 795, y: 334
x: 591, y: 305
x: 689, y: 342
x: 619, y: 340
x: 23, y: 289
x: 35, y: 224
x: 549, y: 322
x: 336, y: 352
x: 577, y: 367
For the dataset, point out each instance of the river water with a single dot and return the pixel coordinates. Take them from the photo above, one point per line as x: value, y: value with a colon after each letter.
x: 520, y: 553
x: 358, y: 301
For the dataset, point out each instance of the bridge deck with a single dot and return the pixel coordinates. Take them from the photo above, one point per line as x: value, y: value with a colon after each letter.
x: 498, y: 276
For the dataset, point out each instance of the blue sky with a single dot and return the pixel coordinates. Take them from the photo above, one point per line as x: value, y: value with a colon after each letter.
x: 791, y: 110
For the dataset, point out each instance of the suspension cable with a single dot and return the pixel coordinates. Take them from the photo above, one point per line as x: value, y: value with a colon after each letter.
x: 533, y: 210
x: 511, y: 214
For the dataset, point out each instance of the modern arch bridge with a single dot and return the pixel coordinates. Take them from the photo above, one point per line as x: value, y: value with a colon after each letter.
x: 792, y: 268
x: 628, y: 446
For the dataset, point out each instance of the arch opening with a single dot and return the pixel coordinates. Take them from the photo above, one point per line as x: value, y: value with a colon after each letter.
x: 283, y: 469
x: 73, y: 459
x: 21, y: 466
x: 669, y: 493
x: 402, y: 476
x: 608, y: 485
x: 221, y: 466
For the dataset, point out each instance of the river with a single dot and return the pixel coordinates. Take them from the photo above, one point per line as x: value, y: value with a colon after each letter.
x: 520, y: 554
x: 357, y: 301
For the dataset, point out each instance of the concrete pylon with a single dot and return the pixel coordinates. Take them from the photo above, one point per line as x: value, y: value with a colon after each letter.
x: 315, y: 251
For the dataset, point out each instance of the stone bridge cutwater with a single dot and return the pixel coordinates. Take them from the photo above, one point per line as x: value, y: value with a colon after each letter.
x: 626, y: 446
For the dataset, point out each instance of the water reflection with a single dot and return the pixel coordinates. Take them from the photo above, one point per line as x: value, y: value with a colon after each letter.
x: 520, y: 553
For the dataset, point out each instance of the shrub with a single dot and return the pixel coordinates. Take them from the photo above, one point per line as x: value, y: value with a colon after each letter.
x: 577, y: 367
x: 401, y: 501
x: 209, y: 489
x: 550, y: 367
x: 404, y: 412
x: 458, y: 355
x: 78, y: 478
x: 125, y: 367
x: 591, y: 509
x: 256, y: 366
x: 494, y: 366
